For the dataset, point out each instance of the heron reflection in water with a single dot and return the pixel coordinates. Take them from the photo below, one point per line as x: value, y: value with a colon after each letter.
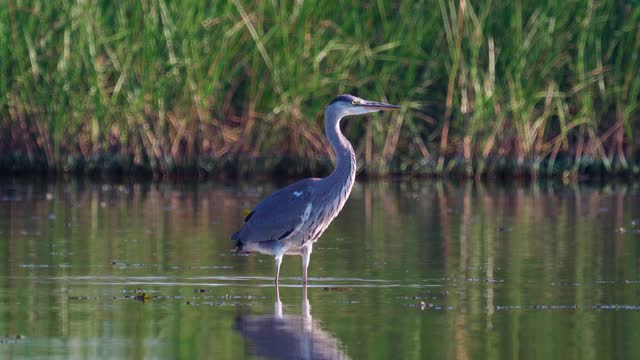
x: 281, y: 336
x: 292, y: 219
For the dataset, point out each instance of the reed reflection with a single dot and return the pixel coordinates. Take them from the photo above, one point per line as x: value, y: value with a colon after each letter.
x: 280, y: 336
x: 508, y: 262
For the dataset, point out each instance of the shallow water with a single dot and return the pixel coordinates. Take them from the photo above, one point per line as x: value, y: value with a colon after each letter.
x: 420, y: 269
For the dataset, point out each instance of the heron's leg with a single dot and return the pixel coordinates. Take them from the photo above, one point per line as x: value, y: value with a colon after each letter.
x: 306, y: 256
x: 278, y: 262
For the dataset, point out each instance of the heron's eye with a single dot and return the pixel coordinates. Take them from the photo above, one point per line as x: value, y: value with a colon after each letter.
x: 354, y: 102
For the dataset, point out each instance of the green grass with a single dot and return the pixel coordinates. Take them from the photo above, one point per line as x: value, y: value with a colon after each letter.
x: 239, y: 87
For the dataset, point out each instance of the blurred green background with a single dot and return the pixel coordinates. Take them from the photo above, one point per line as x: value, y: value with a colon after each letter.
x: 239, y: 87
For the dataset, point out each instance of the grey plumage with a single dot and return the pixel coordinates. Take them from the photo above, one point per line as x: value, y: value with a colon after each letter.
x: 291, y: 219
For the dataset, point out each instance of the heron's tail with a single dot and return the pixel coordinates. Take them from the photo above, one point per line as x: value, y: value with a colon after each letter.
x: 239, y: 245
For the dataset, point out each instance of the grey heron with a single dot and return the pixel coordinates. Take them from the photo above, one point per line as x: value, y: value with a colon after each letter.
x: 292, y: 219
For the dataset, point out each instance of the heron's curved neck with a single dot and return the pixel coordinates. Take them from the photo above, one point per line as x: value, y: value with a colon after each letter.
x: 345, y: 156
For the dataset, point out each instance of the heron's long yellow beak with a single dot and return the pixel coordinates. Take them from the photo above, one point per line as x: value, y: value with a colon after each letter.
x: 379, y: 105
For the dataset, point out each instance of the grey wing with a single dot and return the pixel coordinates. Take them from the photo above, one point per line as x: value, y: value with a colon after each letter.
x: 278, y: 215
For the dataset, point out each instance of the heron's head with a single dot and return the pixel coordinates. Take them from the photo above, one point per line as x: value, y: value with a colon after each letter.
x: 346, y: 105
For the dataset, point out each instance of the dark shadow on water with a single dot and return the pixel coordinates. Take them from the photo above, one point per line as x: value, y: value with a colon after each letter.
x: 279, y: 336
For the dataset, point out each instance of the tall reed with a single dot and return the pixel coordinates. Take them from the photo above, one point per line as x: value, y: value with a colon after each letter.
x: 239, y: 87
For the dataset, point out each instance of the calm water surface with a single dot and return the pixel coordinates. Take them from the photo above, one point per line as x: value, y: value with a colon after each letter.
x: 409, y: 270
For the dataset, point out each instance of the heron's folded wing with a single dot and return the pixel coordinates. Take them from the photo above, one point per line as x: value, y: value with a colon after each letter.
x: 279, y: 214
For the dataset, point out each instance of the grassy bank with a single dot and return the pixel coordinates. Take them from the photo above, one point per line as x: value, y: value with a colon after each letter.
x: 239, y: 87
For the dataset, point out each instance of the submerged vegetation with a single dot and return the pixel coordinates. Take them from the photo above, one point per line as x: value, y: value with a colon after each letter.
x: 238, y: 87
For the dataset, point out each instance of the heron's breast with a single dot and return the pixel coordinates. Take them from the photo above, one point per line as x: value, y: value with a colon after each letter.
x: 319, y: 221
